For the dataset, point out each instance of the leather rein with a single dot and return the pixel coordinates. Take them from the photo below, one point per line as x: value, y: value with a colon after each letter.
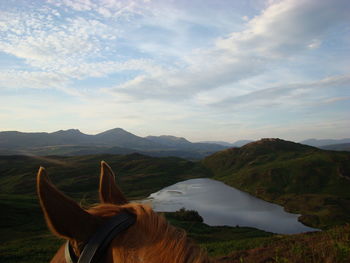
x: 94, y: 249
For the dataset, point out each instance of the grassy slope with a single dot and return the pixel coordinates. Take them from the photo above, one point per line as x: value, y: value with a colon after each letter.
x: 23, y: 234
x: 303, y: 179
x: 249, y: 245
x: 330, y: 246
x: 137, y: 174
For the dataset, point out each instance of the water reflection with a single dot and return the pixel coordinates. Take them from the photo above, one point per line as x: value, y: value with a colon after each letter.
x: 220, y: 204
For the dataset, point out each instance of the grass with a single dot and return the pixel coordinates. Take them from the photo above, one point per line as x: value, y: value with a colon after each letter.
x: 250, y: 245
x: 331, y: 246
x: 23, y: 232
x: 302, y: 179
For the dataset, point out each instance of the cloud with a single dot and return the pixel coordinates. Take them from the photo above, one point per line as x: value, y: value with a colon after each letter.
x: 61, y: 45
x: 49, y: 45
x: 335, y: 99
x: 18, y: 79
x: 282, y: 30
x: 57, y: 51
x: 107, y: 8
x: 181, y: 84
x: 298, y: 94
x: 289, y: 26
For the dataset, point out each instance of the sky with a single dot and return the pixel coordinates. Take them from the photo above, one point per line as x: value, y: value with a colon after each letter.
x: 200, y: 69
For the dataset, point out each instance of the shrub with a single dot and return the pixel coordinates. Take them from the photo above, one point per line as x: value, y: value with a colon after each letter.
x: 187, y: 215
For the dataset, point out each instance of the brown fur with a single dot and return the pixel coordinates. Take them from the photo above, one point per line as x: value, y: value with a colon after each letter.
x: 151, y: 239
x: 108, y: 190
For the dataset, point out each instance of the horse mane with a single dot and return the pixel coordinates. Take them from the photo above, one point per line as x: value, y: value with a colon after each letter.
x: 150, y: 239
x: 151, y: 236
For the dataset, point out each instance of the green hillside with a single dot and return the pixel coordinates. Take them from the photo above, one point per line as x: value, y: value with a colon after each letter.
x: 23, y: 233
x: 304, y: 179
x: 78, y: 176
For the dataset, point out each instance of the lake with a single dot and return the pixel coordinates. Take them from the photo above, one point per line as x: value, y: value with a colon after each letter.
x: 220, y: 204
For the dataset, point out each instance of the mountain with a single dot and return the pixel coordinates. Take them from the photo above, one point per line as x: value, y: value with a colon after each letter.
x: 21, y: 140
x: 110, y: 138
x: 115, y: 141
x: 185, y: 145
x: 337, y: 147
x: 169, y: 140
x: 122, y: 138
x: 304, y: 179
x: 324, y: 142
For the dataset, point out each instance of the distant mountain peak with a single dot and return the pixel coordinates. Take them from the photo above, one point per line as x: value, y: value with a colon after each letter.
x: 69, y: 131
x: 268, y: 140
x: 169, y: 138
x: 276, y: 144
x: 114, y: 131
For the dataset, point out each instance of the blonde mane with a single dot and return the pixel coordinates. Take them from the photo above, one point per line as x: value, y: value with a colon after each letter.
x: 150, y: 239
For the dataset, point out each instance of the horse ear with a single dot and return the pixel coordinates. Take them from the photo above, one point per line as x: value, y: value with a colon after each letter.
x: 109, y: 191
x: 64, y: 217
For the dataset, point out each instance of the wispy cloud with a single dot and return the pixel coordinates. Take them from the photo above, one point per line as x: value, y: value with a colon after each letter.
x: 48, y: 45
x: 289, y: 26
x: 297, y: 94
x: 245, y: 54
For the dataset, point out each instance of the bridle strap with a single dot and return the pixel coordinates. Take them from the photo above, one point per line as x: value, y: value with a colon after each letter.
x: 94, y: 250
x: 69, y: 254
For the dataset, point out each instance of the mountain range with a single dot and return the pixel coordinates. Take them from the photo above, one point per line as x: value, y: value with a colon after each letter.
x: 73, y: 142
x: 115, y: 141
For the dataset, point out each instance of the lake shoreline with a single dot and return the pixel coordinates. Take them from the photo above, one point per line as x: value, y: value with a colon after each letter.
x: 213, y: 201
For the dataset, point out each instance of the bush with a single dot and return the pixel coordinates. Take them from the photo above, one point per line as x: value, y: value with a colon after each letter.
x: 187, y: 215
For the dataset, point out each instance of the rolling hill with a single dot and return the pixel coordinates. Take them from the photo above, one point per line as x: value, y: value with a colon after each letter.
x: 78, y: 175
x: 304, y: 179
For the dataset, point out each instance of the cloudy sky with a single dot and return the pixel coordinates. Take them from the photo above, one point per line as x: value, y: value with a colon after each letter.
x: 202, y: 69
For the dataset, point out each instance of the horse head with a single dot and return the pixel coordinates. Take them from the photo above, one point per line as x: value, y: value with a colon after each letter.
x: 114, y: 230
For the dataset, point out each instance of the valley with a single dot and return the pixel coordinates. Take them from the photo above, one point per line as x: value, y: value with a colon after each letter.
x: 301, y: 178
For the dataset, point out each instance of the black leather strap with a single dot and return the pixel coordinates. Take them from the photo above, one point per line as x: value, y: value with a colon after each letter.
x: 69, y: 254
x: 94, y: 249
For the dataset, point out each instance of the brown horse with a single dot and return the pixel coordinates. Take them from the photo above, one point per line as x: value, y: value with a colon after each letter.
x: 149, y: 239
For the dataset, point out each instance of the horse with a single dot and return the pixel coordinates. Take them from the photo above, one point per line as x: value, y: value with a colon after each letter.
x: 113, y: 231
